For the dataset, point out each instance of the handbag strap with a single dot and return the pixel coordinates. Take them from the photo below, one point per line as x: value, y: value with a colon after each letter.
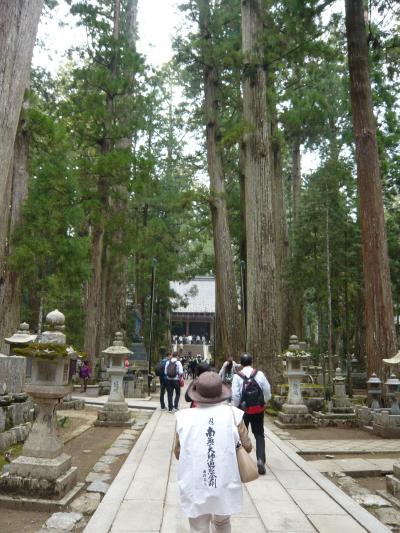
x: 239, y: 444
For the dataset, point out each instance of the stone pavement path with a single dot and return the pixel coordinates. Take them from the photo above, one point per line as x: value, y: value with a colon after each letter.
x: 346, y: 446
x: 292, y: 497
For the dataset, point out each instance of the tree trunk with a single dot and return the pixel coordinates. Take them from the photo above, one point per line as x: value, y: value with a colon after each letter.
x: 297, y: 303
x: 243, y: 257
x: 229, y: 326
x: 329, y: 296
x: 10, y: 290
x: 380, y: 338
x: 19, y: 22
x: 95, y: 322
x: 93, y: 318
x: 296, y: 180
x: 263, y: 333
x: 281, y: 235
x: 117, y: 254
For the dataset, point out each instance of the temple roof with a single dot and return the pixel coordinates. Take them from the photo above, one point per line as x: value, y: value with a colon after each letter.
x: 199, y: 294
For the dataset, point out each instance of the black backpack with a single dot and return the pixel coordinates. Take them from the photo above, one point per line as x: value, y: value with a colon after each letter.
x: 172, y: 371
x: 160, y: 368
x: 252, y: 394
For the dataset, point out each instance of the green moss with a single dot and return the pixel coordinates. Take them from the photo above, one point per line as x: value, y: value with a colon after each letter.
x: 49, y: 352
x: 15, y: 450
x: 271, y: 411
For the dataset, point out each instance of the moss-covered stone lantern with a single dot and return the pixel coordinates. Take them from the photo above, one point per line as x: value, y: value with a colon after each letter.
x: 43, y: 469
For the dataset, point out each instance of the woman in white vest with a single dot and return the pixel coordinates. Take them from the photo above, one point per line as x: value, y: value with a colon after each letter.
x: 205, y: 445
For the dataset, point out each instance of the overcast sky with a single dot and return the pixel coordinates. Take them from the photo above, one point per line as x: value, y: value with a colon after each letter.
x: 157, y: 22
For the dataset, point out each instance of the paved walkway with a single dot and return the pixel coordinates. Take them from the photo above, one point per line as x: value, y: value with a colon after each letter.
x: 346, y: 446
x: 292, y: 497
x: 133, y: 403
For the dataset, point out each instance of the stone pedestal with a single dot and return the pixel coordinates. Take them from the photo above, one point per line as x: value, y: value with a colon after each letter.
x: 115, y: 411
x: 295, y: 417
x: 393, y: 481
x: 385, y: 424
x: 12, y: 374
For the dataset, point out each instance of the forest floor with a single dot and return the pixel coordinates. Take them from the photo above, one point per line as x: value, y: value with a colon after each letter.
x: 85, y: 448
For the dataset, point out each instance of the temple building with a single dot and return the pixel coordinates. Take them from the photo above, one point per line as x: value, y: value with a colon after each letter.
x: 193, y: 311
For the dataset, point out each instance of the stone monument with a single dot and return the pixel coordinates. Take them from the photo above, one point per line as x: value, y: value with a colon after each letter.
x: 393, y: 481
x: 386, y: 422
x: 16, y: 410
x: 342, y: 414
x: 44, y: 470
x: 115, y: 411
x: 341, y: 403
x: 294, y: 412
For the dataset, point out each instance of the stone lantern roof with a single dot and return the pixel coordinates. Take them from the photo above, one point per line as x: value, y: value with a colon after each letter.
x: 395, y: 360
x: 338, y: 375
x: 56, y: 320
x: 22, y: 336
x: 117, y: 347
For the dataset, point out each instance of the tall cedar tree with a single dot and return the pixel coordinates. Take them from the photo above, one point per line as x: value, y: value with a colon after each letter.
x: 20, y: 20
x: 229, y: 337
x: 379, y: 321
x: 263, y: 328
x: 10, y: 302
x: 117, y: 253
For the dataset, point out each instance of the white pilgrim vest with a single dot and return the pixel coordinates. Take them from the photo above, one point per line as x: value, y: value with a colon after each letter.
x: 208, y: 473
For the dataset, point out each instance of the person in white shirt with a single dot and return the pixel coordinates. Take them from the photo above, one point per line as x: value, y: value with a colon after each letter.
x: 205, y: 445
x: 252, y: 402
x: 173, y: 372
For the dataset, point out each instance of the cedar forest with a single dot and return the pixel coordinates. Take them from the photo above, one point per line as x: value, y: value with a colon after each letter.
x: 96, y: 179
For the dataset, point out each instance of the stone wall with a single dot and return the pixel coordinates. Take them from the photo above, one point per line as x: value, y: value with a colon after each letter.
x: 15, y: 415
x: 12, y: 374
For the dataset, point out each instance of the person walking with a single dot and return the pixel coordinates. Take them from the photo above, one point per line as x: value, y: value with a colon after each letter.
x: 205, y: 446
x: 160, y: 372
x: 227, y: 371
x: 84, y: 374
x: 192, y: 367
x: 203, y: 366
x: 173, y: 371
x: 250, y: 391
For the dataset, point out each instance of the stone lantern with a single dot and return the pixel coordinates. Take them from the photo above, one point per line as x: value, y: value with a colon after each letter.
x: 43, y: 470
x: 115, y: 411
x: 392, y: 394
x: 294, y: 412
x: 374, y: 385
x: 21, y: 366
x: 13, y: 370
x: 21, y: 338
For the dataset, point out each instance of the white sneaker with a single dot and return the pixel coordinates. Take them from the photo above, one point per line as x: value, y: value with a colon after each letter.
x: 175, y: 410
